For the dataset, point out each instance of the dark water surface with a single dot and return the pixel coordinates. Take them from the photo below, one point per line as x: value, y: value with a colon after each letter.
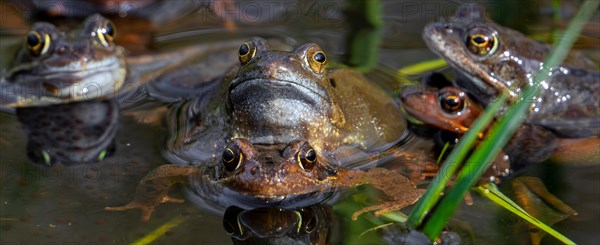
x: 63, y: 204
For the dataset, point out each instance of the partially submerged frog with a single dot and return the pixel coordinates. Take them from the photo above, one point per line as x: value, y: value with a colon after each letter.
x: 54, y: 66
x: 281, y: 130
x: 496, y: 59
x: 64, y: 84
x: 453, y: 109
x: 57, y: 67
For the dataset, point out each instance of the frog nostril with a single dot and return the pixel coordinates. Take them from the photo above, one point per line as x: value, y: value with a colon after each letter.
x: 62, y: 50
x: 254, y: 170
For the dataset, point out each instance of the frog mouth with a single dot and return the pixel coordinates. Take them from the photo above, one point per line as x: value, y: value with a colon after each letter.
x: 240, y: 85
x: 76, y: 80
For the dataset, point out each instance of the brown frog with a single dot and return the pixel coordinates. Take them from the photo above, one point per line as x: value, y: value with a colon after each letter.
x: 282, y: 130
x: 453, y: 109
x: 496, y: 59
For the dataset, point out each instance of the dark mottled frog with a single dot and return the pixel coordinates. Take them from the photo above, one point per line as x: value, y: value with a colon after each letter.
x: 54, y: 66
x: 281, y: 130
x: 62, y: 84
x: 57, y: 67
x: 497, y: 59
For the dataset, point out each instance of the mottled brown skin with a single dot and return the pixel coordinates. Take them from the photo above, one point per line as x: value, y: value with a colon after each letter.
x: 568, y: 101
x: 267, y: 171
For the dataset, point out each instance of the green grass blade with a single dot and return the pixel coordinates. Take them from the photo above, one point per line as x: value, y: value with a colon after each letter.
x: 503, y: 130
x: 449, y: 167
x: 505, y: 202
x: 364, y: 35
x: 160, y: 231
x: 422, y: 67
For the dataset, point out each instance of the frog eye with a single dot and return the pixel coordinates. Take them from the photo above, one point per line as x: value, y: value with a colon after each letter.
x: 317, y: 60
x: 106, y: 33
x: 37, y: 44
x: 482, y: 41
x: 232, y: 158
x: 307, y: 157
x: 246, y: 52
x: 452, y: 102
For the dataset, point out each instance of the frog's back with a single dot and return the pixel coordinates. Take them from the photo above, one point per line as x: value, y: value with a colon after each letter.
x: 569, y: 104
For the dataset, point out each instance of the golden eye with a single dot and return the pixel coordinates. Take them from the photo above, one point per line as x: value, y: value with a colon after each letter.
x: 317, y: 60
x: 232, y: 158
x: 482, y: 41
x: 37, y: 44
x: 307, y: 157
x: 451, y: 101
x: 246, y: 52
x: 106, y: 34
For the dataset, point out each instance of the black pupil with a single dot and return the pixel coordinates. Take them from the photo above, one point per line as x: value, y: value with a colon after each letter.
x: 32, y: 40
x: 110, y: 30
x: 228, y: 155
x: 244, y: 49
x: 479, y: 39
x: 452, y: 102
x: 320, y: 57
x: 311, y: 155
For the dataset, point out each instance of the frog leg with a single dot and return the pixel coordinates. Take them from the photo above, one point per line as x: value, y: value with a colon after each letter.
x: 153, y: 189
x: 399, y: 189
x: 533, y: 196
x: 577, y: 151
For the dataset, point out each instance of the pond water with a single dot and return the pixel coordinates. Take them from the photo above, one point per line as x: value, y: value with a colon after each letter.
x: 65, y: 204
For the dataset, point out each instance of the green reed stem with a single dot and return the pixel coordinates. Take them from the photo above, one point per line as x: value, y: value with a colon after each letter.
x: 502, y: 131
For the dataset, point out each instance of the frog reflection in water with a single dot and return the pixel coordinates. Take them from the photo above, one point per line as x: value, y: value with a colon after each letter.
x: 452, y: 109
x: 57, y: 79
x: 286, y: 129
x: 305, y: 225
x: 496, y: 59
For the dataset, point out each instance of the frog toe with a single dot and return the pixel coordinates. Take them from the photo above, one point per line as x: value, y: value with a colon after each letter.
x: 364, y: 210
x: 172, y: 199
x: 146, y: 209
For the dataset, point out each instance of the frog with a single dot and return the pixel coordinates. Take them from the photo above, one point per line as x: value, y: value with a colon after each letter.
x: 494, y: 59
x: 58, y: 77
x: 455, y: 110
x: 53, y: 66
x: 282, y: 130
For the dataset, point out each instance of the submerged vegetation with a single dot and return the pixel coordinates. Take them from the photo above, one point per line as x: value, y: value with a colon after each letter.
x: 436, y: 207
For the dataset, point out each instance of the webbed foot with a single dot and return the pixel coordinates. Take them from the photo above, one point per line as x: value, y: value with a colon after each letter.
x: 399, y: 189
x: 153, y: 189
